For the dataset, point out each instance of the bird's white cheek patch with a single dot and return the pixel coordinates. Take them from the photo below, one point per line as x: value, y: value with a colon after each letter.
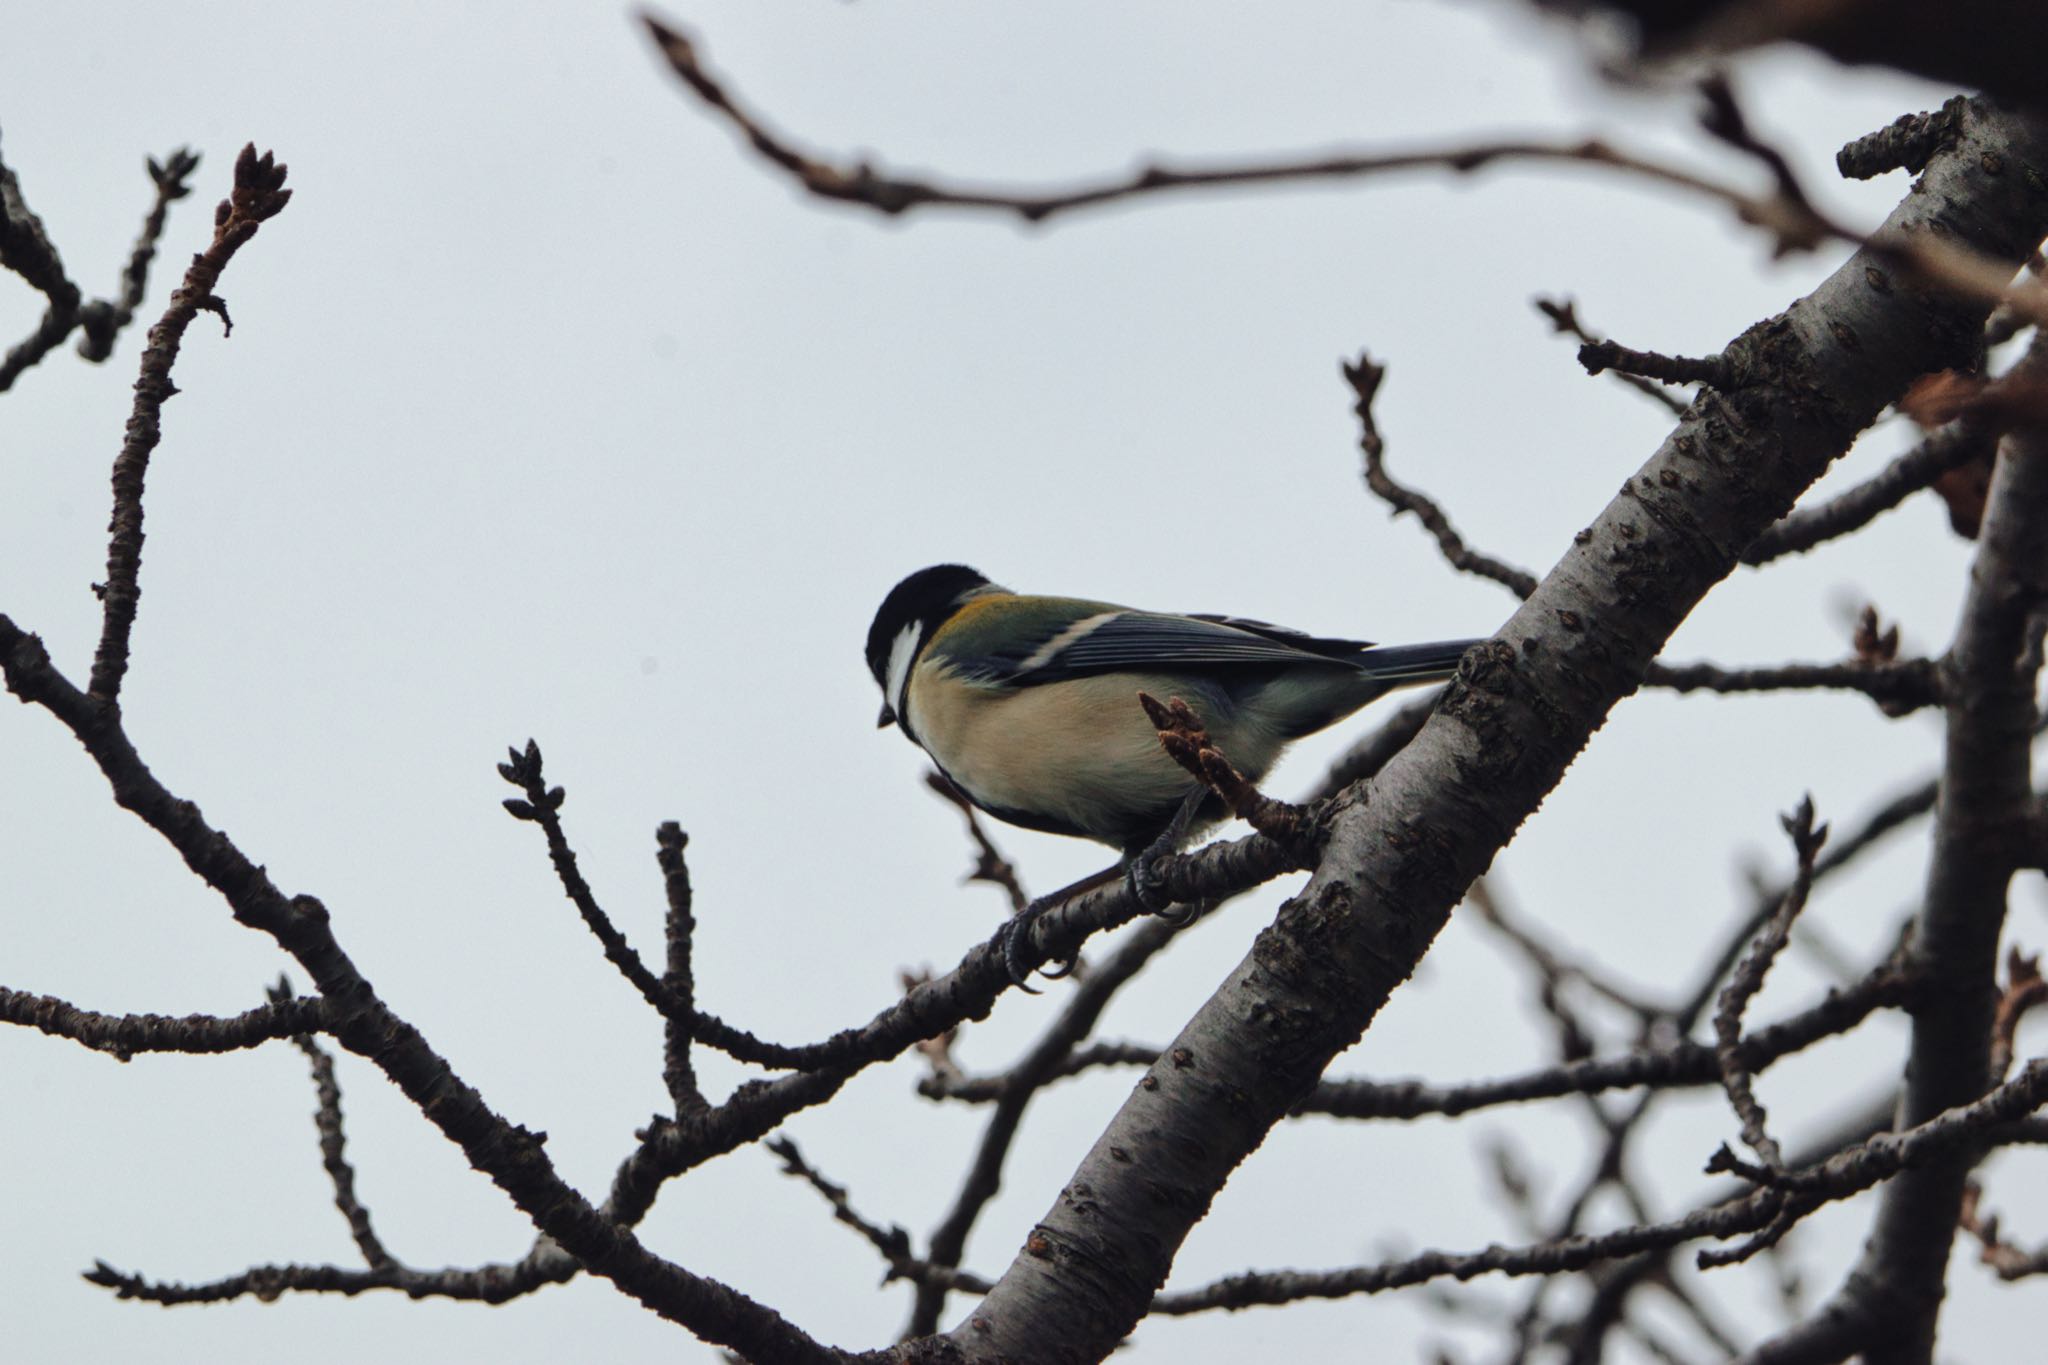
x: 900, y: 655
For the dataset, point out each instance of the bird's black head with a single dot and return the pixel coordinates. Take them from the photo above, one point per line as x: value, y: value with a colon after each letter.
x: 907, y: 617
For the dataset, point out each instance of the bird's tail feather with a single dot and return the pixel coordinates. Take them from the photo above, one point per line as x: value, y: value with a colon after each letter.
x: 1400, y: 664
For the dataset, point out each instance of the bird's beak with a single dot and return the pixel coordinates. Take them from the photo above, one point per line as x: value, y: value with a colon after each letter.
x: 886, y: 719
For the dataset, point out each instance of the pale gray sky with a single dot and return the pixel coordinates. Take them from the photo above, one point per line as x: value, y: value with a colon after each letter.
x: 550, y: 412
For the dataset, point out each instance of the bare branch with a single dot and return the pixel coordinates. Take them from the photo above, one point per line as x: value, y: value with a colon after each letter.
x: 989, y: 863
x: 1564, y: 320
x: 1677, y: 1064
x: 893, y: 1241
x: 333, y: 1145
x: 863, y: 185
x: 1748, y: 979
x: 1967, y: 438
x: 1601, y: 356
x: 1364, y: 377
x: 102, y: 320
x: 677, y: 1072
x: 1982, y: 813
x: 1845, y: 1174
x: 259, y: 195
x: 123, y: 1035
x: 1899, y: 688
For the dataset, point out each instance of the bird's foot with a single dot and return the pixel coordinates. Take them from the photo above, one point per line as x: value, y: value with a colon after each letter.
x: 1014, y: 940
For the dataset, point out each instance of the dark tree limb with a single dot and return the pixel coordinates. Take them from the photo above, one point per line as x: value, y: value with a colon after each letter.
x: 1840, y: 1176
x: 1967, y: 438
x: 1901, y: 687
x: 678, y: 1073
x: 1793, y: 226
x: 26, y: 250
x: 1892, y: 1299
x: 1600, y: 357
x: 259, y: 195
x: 1401, y: 854
x: 121, y: 1036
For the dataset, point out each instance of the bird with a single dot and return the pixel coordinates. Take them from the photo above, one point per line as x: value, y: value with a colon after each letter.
x: 1028, y: 706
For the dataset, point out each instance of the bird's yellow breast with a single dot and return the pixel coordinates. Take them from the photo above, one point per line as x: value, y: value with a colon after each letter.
x: 1079, y: 753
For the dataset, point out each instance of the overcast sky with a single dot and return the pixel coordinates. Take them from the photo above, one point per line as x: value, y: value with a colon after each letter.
x: 551, y: 411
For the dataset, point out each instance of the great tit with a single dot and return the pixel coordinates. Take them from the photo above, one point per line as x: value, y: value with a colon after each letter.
x: 1029, y: 705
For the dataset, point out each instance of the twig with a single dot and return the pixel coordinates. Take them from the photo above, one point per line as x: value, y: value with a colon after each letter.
x: 1601, y: 356
x: 26, y: 249
x: 1938, y: 263
x: 989, y: 863
x: 1364, y: 377
x: 101, y: 321
x: 2009, y: 1261
x: 1748, y: 979
x: 1372, y: 753
x: 258, y: 196
x: 2024, y: 989
x: 121, y: 1036
x: 893, y: 1241
x: 1723, y: 118
x: 1839, y: 1177
x: 1564, y: 320
x: 1901, y: 810
x: 1187, y: 743
x: 512, y: 1156
x: 1684, y: 1063
x: 679, y: 980
x: 333, y: 1145
x: 987, y: 1089
x: 1550, y: 963
x: 542, y: 806
x: 1967, y: 438
x: 862, y: 184
x: 1900, y: 687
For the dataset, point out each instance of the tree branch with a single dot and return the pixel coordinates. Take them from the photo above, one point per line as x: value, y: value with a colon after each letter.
x: 121, y: 1036
x: 1399, y: 856
x: 258, y: 196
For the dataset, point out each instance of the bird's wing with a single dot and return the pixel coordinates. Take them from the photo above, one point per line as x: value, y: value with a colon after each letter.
x: 1116, y: 641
